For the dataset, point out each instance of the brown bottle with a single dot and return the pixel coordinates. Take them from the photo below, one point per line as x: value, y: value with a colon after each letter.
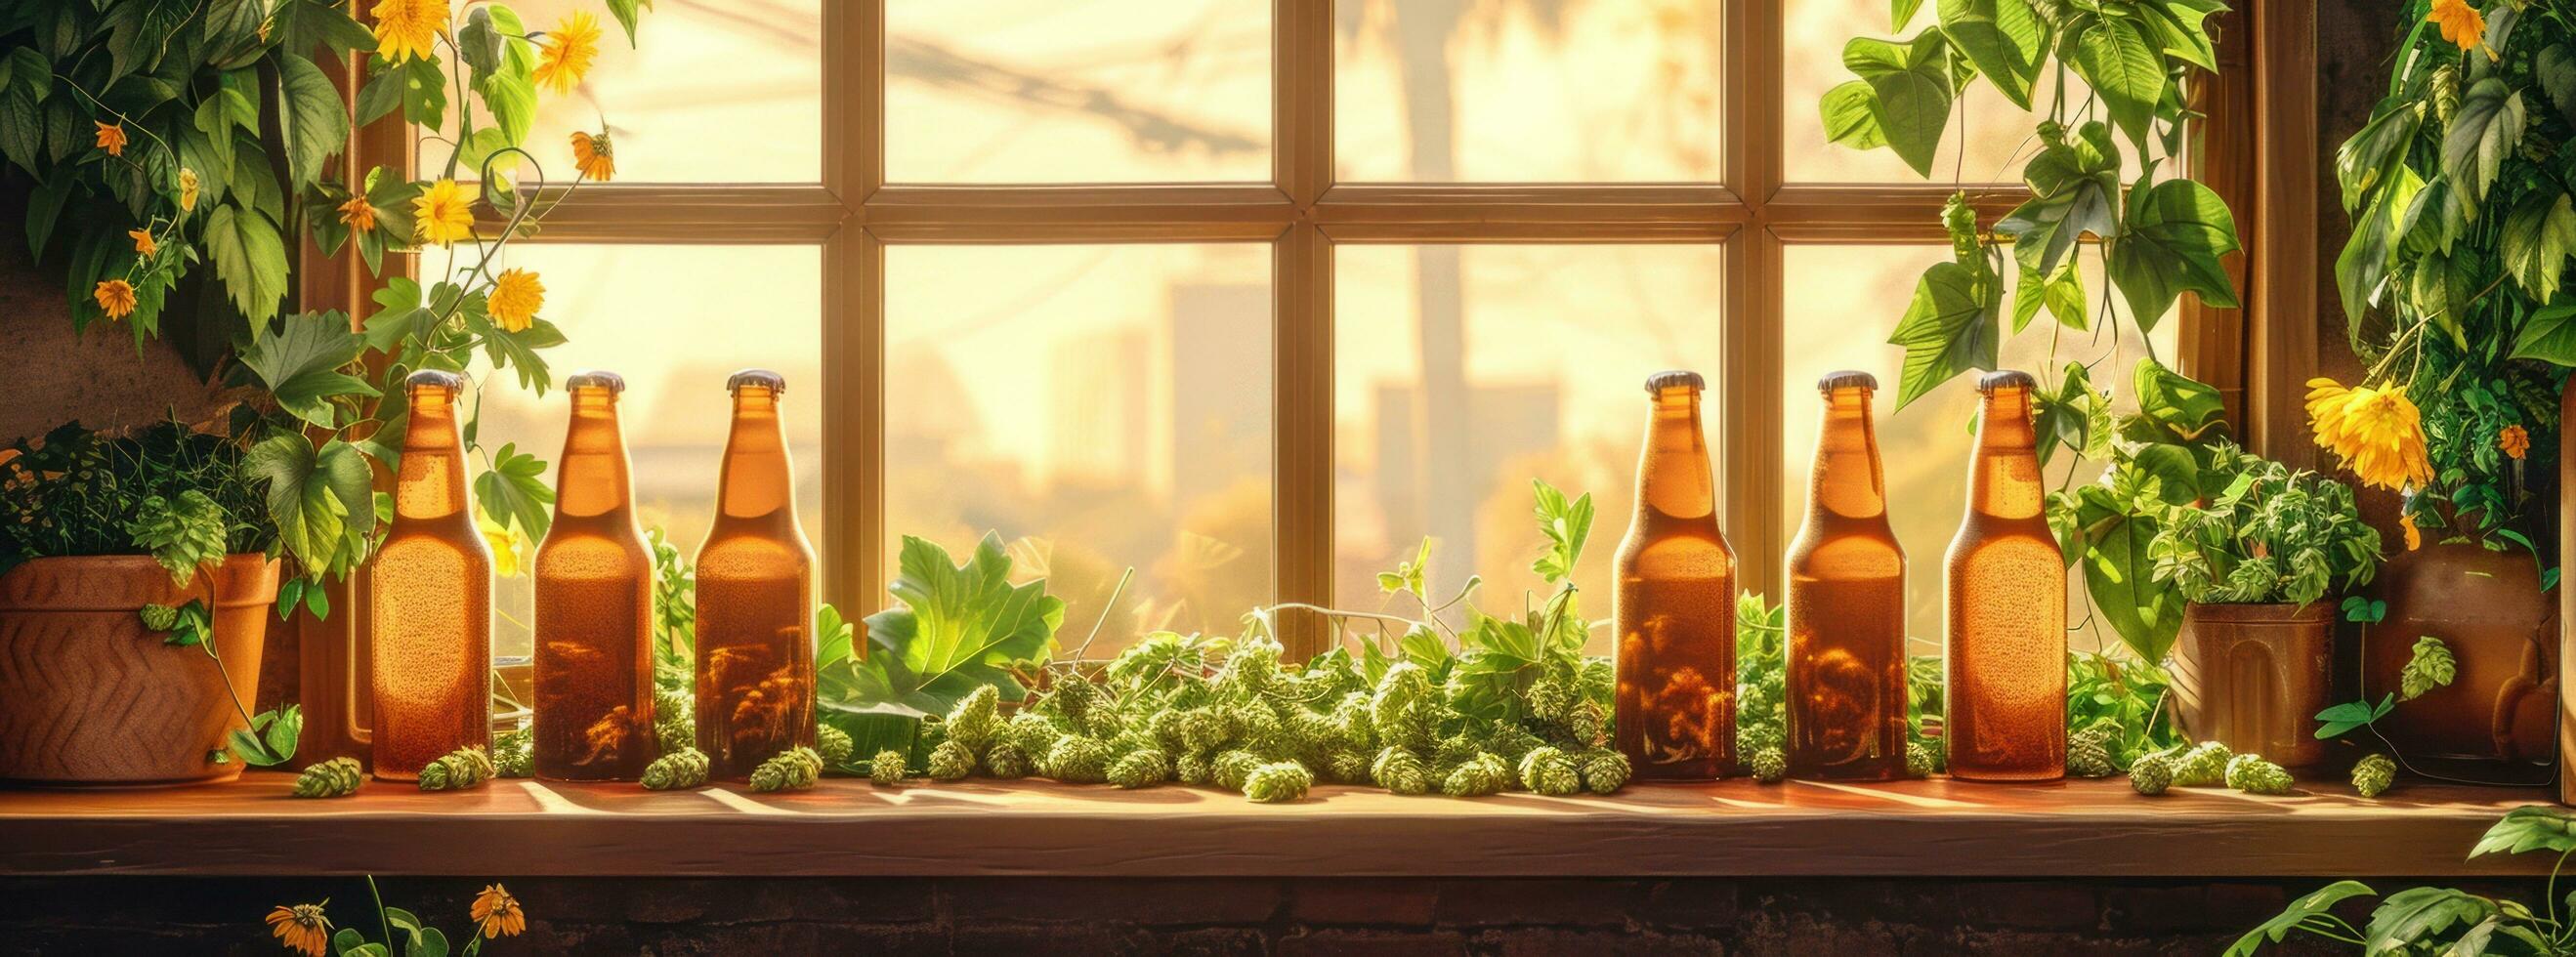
x: 594, y: 664
x: 1675, y: 607
x: 1846, y: 607
x: 755, y: 596
x: 2004, y: 660
x: 430, y: 597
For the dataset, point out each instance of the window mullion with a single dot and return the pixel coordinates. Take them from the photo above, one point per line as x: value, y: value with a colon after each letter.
x: 1302, y: 320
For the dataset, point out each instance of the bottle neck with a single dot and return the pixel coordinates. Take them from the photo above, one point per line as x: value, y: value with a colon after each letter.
x: 2004, y: 480
x: 431, y: 481
x: 756, y: 481
x: 1673, y: 477
x: 1847, y: 482
x: 591, y: 479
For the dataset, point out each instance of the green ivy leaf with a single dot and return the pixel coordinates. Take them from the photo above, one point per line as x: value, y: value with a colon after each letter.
x: 2415, y: 914
x: 2176, y: 232
x: 513, y: 102
x: 2118, y: 572
x: 1913, y: 92
x: 2485, y: 129
x: 316, y: 120
x: 2173, y: 408
x: 2002, y: 37
x: 2439, y: 290
x: 2075, y: 189
x: 1952, y: 325
x: 2316, y: 905
x: 478, y: 44
x: 2539, y: 235
x: 2368, y: 160
x: 301, y: 25
x: 2549, y: 335
x: 2182, y: 27
x: 625, y: 12
x: 2526, y: 829
x: 2555, y: 68
x: 250, y: 258
x: 2116, y: 61
x: 958, y: 627
x: 514, y: 491
x: 322, y: 500
x: 299, y: 360
x: 2362, y: 269
x: 1851, y: 116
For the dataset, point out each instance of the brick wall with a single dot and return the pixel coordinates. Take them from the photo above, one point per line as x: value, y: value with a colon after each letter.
x: 1193, y: 916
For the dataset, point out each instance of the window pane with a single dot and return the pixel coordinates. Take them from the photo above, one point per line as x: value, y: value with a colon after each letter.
x: 1448, y: 91
x: 1102, y: 408
x: 1049, y: 91
x: 708, y: 93
x: 1531, y: 365
x: 1999, y: 135
x: 651, y: 314
x: 1923, y: 449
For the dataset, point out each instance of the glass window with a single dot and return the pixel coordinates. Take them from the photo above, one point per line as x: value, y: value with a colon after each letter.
x: 1463, y: 372
x: 1442, y: 92
x: 1999, y: 135
x: 1101, y: 407
x: 1051, y: 91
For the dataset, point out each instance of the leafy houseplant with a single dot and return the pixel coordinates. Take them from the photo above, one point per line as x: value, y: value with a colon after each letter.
x: 2271, y: 535
x: 2157, y: 236
x: 2444, y: 920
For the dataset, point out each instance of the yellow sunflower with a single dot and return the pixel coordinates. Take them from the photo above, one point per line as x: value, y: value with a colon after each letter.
x: 409, y: 28
x: 504, y: 542
x: 358, y: 214
x: 516, y: 297
x: 301, y: 928
x: 143, y: 244
x: 2461, y: 24
x: 115, y: 297
x: 567, y: 52
x: 111, y: 137
x: 594, y: 156
x: 2514, y: 441
x: 442, y: 214
x: 187, y: 189
x: 497, y: 913
x: 2376, y: 432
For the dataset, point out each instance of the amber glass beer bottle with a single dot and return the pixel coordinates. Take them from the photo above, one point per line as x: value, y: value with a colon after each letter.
x: 429, y: 597
x: 594, y: 662
x: 2004, y: 645
x: 1846, y: 614
x: 755, y: 596
x: 1674, y: 610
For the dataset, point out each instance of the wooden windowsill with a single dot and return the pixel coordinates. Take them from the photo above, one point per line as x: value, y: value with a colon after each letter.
x: 985, y: 828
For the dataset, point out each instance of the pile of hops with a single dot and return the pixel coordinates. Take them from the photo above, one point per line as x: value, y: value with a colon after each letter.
x: 2210, y: 763
x: 1231, y: 714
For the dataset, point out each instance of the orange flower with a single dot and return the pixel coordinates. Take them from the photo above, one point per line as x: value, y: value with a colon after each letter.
x: 2377, y: 432
x: 594, y: 156
x: 115, y: 297
x: 498, y: 913
x: 516, y: 297
x: 409, y: 28
x: 565, y: 53
x: 2514, y: 441
x: 143, y: 244
x: 2461, y: 24
x: 301, y: 928
x: 111, y: 137
x: 358, y: 214
x: 2414, y: 535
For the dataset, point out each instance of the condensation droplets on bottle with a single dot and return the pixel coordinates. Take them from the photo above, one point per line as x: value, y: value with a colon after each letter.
x: 1674, y: 608
x: 594, y: 605
x: 429, y: 596
x: 1846, y: 605
x: 2004, y: 639
x: 755, y: 596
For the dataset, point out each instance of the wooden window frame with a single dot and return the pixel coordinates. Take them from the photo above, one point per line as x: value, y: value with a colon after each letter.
x: 1754, y: 212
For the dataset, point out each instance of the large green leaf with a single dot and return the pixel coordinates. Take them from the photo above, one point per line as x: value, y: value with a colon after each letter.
x: 2537, y: 827
x: 2062, y: 293
x: 2115, y: 59
x: 2181, y: 26
x: 2075, y: 190
x: 625, y: 12
x: 1952, y: 325
x: 957, y: 627
x: 2439, y: 290
x: 2361, y: 270
x: 2539, y: 235
x: 2002, y: 37
x: 299, y: 360
x: 1912, y: 84
x: 316, y: 119
x: 2555, y: 68
x: 250, y: 258
x: 1851, y: 116
x: 301, y: 25
x: 513, y: 491
x: 2549, y: 335
x: 2175, y: 235
x: 321, y: 499
x: 2117, y: 521
x: 2173, y: 408
x: 2366, y: 161
x: 2413, y: 916
x: 2486, y: 128
x: 2316, y: 905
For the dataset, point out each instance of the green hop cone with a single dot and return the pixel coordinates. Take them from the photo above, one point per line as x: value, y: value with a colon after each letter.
x: 1077, y: 759
x: 1752, y: 738
x: 2152, y: 774
x: 457, y: 770
x: 1205, y: 729
x: 161, y: 618
x: 886, y: 769
x: 2202, y: 766
x: 2088, y: 755
x: 1006, y: 761
x: 1550, y: 771
x: 834, y: 745
x: 797, y: 767
x: 1585, y: 724
x: 684, y: 768
x: 1278, y: 781
x: 2253, y: 775
x: 952, y: 760
x: 2430, y: 666
x: 1033, y: 734
x: 1511, y: 742
x: 514, y: 754
x: 1920, y: 759
x: 338, y: 777
x: 1355, y: 723
x: 1195, y: 769
x: 1234, y: 766
x: 1347, y: 766
x: 1549, y: 697
x: 1455, y: 750
x: 1141, y: 768
x: 1400, y: 771
x: 1477, y: 776
x: 1769, y: 766
x: 977, y: 719
x: 2373, y: 775
x: 1604, y: 770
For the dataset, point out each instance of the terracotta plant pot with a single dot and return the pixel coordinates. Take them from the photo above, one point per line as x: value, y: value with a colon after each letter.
x: 88, y: 696
x: 2254, y: 676
x: 2488, y: 607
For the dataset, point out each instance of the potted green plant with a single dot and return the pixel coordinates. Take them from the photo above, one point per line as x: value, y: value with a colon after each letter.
x: 2256, y: 564
x: 2456, y: 295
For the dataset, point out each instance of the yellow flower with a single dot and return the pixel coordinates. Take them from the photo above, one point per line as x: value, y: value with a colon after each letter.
x: 407, y: 28
x: 143, y: 244
x: 2514, y: 441
x: 115, y: 297
x: 504, y: 541
x: 358, y: 214
x: 497, y: 913
x: 2414, y: 535
x: 2377, y: 432
x: 111, y: 137
x: 187, y: 189
x: 441, y: 214
x: 593, y: 156
x: 2461, y: 24
x: 301, y: 928
x: 567, y: 52
x: 516, y: 297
